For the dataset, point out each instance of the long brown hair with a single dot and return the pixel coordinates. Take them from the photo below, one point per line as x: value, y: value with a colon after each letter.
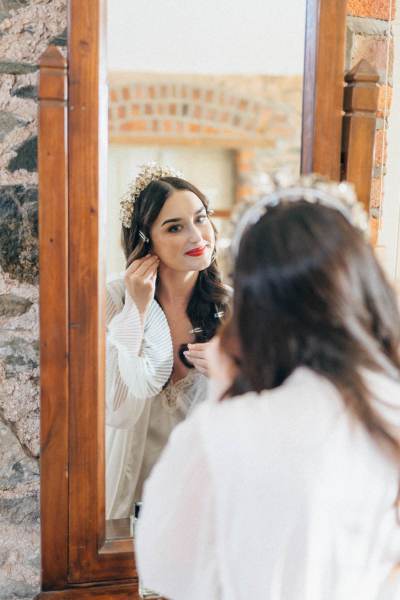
x: 308, y: 291
x: 209, y: 297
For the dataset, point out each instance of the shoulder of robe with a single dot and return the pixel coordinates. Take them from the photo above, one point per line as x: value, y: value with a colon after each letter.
x: 304, y: 396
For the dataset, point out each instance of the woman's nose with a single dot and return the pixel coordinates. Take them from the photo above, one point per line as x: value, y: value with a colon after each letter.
x: 195, y: 234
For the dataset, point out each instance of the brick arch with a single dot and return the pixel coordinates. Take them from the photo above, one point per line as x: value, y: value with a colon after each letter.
x: 184, y: 111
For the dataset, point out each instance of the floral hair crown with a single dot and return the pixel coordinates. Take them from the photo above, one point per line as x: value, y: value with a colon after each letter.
x: 147, y: 173
x: 313, y: 189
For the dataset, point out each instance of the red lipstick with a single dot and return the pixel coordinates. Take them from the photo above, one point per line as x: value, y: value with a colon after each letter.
x: 196, y: 251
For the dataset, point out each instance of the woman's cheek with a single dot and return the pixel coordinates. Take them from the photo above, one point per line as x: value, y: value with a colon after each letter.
x: 211, y: 236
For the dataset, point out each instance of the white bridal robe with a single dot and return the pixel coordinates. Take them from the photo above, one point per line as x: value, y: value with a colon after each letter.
x: 277, y: 496
x: 141, y: 410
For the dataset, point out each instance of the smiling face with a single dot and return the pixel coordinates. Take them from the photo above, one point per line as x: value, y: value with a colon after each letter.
x: 182, y: 235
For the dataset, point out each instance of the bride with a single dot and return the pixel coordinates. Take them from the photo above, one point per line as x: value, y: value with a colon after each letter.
x: 160, y: 317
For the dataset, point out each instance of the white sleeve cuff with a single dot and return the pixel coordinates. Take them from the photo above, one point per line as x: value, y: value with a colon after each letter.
x: 125, y: 329
x: 144, y: 358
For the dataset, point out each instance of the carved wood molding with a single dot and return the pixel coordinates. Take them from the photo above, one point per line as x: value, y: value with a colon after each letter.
x: 359, y: 125
x: 323, y: 87
x: 77, y: 560
x: 117, y: 591
x: 53, y: 247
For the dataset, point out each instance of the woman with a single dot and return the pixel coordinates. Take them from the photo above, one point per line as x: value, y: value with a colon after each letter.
x: 287, y: 489
x: 160, y: 316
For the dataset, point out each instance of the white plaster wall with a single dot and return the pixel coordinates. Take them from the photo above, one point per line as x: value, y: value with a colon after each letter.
x: 211, y: 36
x: 389, y: 235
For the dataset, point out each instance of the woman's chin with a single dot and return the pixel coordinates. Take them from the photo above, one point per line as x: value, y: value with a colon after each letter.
x: 199, y: 263
x: 195, y: 263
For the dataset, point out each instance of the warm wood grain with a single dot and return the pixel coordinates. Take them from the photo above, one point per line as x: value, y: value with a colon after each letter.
x: 323, y: 87
x: 88, y: 559
x: 53, y: 232
x: 117, y: 591
x: 359, y: 124
x: 72, y: 292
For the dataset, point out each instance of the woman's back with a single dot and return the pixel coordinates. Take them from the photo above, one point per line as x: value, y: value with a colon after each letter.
x: 290, y: 493
x: 305, y: 497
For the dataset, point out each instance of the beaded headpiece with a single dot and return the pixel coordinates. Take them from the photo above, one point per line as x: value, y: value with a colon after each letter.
x: 147, y: 173
x: 313, y: 189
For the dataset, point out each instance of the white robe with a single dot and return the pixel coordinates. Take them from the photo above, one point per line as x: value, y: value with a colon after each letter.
x: 277, y: 496
x: 140, y: 414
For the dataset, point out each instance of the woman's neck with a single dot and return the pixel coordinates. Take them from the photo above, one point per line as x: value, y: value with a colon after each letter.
x: 175, y: 287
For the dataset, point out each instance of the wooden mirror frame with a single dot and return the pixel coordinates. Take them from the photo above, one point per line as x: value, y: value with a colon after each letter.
x: 77, y: 560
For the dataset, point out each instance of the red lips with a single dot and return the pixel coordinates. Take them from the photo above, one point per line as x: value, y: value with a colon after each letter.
x: 196, y: 251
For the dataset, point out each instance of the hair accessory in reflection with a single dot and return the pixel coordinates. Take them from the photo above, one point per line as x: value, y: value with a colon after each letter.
x: 147, y: 173
x: 309, y: 188
x: 143, y: 236
x: 196, y: 330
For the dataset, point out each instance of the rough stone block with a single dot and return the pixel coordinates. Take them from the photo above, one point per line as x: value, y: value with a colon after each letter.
x: 18, y: 356
x: 19, y: 232
x: 378, y: 51
x: 26, y: 32
x: 368, y: 26
x: 12, y: 305
x: 19, y: 519
x: 8, y: 122
x: 8, y: 5
x: 26, y: 91
x: 16, y: 68
x: 26, y: 157
x: 60, y: 40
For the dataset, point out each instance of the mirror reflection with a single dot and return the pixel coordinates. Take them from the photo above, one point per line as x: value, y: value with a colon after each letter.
x: 210, y: 103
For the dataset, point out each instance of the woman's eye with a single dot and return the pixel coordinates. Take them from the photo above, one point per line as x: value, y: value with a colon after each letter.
x: 202, y: 219
x: 174, y: 228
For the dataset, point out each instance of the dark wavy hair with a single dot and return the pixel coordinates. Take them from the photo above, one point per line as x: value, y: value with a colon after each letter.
x: 209, y: 296
x: 308, y: 291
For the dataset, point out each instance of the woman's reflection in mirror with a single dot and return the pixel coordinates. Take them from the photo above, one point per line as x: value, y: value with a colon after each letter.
x: 161, y: 314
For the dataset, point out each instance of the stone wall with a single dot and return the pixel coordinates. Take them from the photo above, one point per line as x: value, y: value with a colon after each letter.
x: 370, y: 36
x: 27, y: 27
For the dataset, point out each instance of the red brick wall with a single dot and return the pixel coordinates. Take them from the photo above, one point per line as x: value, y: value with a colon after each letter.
x: 209, y: 109
x: 257, y: 116
x: 378, y: 9
x: 370, y: 37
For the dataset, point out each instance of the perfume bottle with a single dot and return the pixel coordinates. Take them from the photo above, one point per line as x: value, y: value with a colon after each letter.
x: 144, y: 592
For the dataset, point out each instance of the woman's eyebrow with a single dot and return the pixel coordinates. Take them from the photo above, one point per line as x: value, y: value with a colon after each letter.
x: 176, y: 219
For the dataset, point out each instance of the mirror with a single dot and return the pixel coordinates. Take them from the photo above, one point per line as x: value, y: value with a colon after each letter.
x: 217, y: 95
x: 79, y: 547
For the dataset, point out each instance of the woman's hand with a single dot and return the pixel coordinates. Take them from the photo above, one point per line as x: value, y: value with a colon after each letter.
x: 197, y: 356
x: 140, y: 281
x: 209, y: 359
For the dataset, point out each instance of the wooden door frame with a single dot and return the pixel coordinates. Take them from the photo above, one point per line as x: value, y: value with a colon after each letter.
x: 77, y: 561
x: 324, y: 63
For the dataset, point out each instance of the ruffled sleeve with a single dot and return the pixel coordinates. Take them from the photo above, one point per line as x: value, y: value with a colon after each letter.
x: 139, y: 358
